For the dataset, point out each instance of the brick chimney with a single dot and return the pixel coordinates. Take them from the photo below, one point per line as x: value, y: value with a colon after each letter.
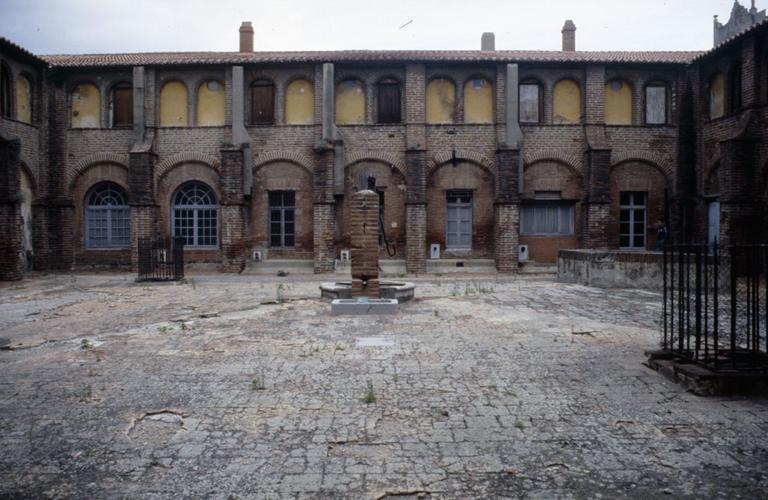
x: 246, y: 37
x: 569, y: 36
x: 488, y: 41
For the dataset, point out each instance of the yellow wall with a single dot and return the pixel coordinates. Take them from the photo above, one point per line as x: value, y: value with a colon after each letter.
x: 210, y: 104
x: 717, y: 96
x: 299, y: 103
x: 173, y: 105
x: 441, y: 101
x: 618, y: 103
x: 567, y: 102
x: 350, y: 102
x: 478, y: 101
x: 23, y: 99
x: 86, y: 106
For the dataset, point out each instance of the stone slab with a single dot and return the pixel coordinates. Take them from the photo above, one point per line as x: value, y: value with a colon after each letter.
x: 371, y: 306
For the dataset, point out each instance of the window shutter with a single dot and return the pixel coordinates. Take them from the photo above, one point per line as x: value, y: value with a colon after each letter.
x: 262, y: 104
x: 389, y: 103
x: 122, y: 107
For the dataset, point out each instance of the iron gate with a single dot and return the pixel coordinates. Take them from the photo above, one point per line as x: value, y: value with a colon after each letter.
x: 161, y: 260
x: 714, y: 305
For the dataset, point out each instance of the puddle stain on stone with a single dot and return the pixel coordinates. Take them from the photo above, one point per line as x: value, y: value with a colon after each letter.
x: 154, y: 425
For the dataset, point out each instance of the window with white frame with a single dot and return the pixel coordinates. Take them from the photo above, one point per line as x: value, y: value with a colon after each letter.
x: 282, y: 219
x: 196, y: 215
x: 107, y: 217
x: 547, y: 218
x: 632, y: 219
x: 458, y: 220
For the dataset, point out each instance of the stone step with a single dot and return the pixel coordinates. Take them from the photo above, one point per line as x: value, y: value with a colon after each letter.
x: 273, y: 266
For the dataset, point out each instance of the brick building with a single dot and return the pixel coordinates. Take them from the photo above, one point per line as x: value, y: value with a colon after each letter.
x: 478, y: 152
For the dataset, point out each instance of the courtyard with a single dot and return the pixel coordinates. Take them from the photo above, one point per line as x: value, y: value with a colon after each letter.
x: 246, y: 386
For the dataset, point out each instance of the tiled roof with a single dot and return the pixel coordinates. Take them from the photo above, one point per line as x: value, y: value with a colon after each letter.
x: 7, y: 44
x: 351, y: 56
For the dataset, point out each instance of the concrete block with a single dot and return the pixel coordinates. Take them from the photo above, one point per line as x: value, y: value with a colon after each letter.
x: 363, y: 306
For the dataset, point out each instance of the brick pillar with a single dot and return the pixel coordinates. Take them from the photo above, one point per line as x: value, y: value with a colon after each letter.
x: 232, y: 211
x: 597, y: 206
x: 60, y: 219
x: 324, y: 210
x: 739, y: 206
x: 416, y: 212
x: 364, y: 228
x: 11, y: 249
x: 144, y: 209
x: 506, y: 214
x: 41, y: 259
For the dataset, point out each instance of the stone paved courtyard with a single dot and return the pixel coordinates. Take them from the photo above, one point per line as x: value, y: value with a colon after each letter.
x: 245, y: 386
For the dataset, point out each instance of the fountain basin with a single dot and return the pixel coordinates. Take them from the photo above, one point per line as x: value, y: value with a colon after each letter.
x: 402, y: 291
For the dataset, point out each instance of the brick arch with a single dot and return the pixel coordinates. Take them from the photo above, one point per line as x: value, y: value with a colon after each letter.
x: 381, y: 157
x: 569, y: 159
x: 86, y: 163
x: 479, y: 159
x: 652, y: 159
x: 167, y: 164
x: 262, y: 159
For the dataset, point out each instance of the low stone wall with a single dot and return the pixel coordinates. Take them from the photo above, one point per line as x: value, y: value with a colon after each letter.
x: 611, y: 268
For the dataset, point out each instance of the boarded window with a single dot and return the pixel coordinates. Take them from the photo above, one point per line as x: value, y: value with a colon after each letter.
x: 262, y: 103
x: 566, y: 107
x: 299, y: 103
x: 350, y: 102
x: 717, y: 96
x: 86, y: 106
x: 282, y: 219
x: 210, y: 104
x: 441, y: 101
x: 23, y: 99
x: 389, y: 102
x: 547, y: 218
x: 734, y: 90
x: 121, y: 105
x: 655, y: 104
x: 478, y: 101
x: 618, y: 103
x: 530, y: 103
x: 5, y: 90
x: 173, y: 105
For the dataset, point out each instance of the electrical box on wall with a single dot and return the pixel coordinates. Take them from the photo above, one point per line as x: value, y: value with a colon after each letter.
x: 256, y: 256
x: 434, y: 251
x: 344, y: 255
x: 522, y: 253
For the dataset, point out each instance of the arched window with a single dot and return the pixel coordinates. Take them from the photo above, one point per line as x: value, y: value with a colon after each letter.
x: 196, y: 215
x: 210, y: 104
x: 734, y: 90
x: 389, y: 101
x: 566, y: 106
x: 350, y: 102
x: 299, y: 103
x: 107, y: 217
x: 441, y: 101
x: 656, y: 103
x: 618, y: 103
x: 23, y: 99
x: 86, y: 106
x: 262, y: 102
x: 478, y: 101
x: 121, y: 105
x: 5, y: 90
x: 530, y: 102
x: 717, y: 96
x: 173, y: 104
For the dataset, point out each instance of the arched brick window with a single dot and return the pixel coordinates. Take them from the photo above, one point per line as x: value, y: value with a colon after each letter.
x: 566, y: 105
x: 531, y: 110
x: 299, y: 103
x: 618, y: 103
x: 389, y: 101
x: 86, y: 106
x: 478, y: 101
x: 173, y: 104
x: 210, y: 104
x: 717, y: 96
x: 656, y: 103
x: 441, y: 101
x: 196, y: 215
x: 350, y: 102
x: 23, y: 99
x: 734, y: 89
x: 262, y: 102
x: 5, y: 90
x: 107, y: 217
x: 121, y: 105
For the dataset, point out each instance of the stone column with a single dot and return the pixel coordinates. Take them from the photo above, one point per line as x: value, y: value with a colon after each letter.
x: 507, y: 211
x: 416, y: 212
x: 364, y: 225
x: 597, y: 206
x: 141, y: 173
x: 232, y: 211
x: 11, y: 249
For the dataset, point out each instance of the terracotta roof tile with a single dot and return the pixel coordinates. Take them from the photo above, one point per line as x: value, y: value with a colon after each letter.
x: 7, y: 44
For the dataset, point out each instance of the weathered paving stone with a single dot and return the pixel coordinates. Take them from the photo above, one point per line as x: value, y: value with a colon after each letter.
x: 214, y: 388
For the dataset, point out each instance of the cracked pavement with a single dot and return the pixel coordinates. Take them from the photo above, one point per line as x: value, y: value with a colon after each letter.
x: 247, y: 386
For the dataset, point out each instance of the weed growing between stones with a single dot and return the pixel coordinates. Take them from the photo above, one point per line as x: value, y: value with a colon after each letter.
x: 441, y: 413
x: 258, y: 384
x: 86, y: 394
x: 519, y: 425
x: 280, y: 293
x: 86, y: 345
x: 370, y: 396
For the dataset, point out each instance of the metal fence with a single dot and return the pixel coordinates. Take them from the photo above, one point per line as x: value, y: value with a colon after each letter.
x: 161, y: 260
x: 715, y: 304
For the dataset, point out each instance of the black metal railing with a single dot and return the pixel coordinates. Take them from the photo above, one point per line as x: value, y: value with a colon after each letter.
x: 161, y: 260
x: 714, y: 305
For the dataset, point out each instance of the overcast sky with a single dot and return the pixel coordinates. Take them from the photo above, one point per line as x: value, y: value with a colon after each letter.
x: 99, y: 26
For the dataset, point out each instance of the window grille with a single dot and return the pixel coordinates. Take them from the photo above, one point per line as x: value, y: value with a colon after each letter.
x: 547, y: 219
x: 107, y: 217
x: 282, y: 219
x: 196, y: 215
